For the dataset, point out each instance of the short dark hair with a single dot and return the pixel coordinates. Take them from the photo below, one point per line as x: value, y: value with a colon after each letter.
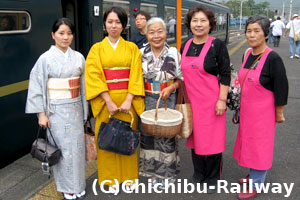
x: 122, y: 15
x: 278, y: 18
x: 144, y: 13
x: 262, y: 21
x: 200, y: 8
x: 61, y: 21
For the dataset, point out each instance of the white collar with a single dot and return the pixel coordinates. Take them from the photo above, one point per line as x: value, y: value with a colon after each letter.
x: 114, y: 46
x: 66, y: 54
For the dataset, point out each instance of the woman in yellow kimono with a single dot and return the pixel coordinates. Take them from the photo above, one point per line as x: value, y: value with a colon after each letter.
x: 114, y: 86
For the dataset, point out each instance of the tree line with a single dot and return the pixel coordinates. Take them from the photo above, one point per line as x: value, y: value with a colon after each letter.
x: 250, y: 8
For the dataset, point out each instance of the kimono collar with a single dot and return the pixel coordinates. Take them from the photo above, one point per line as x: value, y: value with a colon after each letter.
x: 60, y: 52
x: 114, y: 46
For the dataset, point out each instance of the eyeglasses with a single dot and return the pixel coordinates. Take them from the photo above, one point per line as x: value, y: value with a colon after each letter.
x: 140, y: 19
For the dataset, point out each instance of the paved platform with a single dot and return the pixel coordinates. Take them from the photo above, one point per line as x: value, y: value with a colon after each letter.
x: 23, y: 179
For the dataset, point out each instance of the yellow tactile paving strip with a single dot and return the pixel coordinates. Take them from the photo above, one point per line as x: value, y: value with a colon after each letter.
x: 49, y: 192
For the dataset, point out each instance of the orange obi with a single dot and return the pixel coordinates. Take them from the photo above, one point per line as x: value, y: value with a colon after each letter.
x: 63, y: 88
x: 117, y: 78
x: 155, y: 87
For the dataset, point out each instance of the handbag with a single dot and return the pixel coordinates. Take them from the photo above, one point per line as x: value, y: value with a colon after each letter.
x: 296, y: 35
x: 118, y: 137
x: 183, y: 105
x: 234, y: 92
x: 45, y: 152
x: 90, y: 145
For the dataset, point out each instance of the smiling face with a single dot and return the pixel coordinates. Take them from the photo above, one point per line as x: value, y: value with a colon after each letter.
x: 255, y: 35
x: 113, y: 25
x: 156, y: 35
x: 199, y: 25
x: 63, y: 37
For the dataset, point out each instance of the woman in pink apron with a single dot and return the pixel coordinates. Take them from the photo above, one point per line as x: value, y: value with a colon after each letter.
x: 206, y: 72
x: 264, y: 94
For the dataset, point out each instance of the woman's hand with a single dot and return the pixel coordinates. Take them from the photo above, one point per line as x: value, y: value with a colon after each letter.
x: 165, y: 93
x: 221, y: 103
x: 126, y: 105
x: 112, y: 108
x: 280, y: 118
x: 279, y: 114
x: 220, y: 107
x: 43, y: 120
x: 110, y: 104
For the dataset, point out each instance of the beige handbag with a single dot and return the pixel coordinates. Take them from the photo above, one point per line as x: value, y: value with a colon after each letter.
x: 183, y: 105
x: 296, y: 35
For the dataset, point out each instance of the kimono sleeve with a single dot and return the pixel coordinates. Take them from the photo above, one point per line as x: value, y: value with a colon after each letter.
x: 178, y: 65
x: 136, y: 81
x: 95, y: 81
x: 36, y: 97
x: 82, y: 91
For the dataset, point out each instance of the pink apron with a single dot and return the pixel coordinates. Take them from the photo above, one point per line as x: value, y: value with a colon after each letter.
x: 255, y: 139
x: 209, y: 130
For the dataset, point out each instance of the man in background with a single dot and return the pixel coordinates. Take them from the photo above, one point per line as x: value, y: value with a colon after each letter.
x: 141, y: 19
x: 293, y: 27
x: 277, y: 32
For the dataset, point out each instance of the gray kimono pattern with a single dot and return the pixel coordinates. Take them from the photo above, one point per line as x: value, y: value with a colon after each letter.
x: 159, y: 156
x: 66, y: 116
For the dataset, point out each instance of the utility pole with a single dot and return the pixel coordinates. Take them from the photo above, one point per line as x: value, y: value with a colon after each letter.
x: 291, y: 5
x: 282, y: 14
x: 241, y: 14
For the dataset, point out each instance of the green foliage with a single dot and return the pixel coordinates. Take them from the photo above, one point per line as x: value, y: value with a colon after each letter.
x: 250, y: 8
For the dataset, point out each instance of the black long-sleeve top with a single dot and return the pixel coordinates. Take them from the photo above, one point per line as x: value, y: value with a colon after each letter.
x: 273, y: 76
x: 217, y: 60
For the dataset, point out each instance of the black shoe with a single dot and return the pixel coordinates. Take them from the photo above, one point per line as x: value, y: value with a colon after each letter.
x: 195, y: 180
x: 211, y: 189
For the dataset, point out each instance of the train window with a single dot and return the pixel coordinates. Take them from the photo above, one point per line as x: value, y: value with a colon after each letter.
x: 12, y: 22
x: 150, y: 8
x: 170, y: 19
x: 120, y: 3
x: 184, y: 29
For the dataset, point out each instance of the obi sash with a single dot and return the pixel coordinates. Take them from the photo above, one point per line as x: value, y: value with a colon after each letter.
x: 155, y: 87
x: 117, y: 78
x: 63, y: 88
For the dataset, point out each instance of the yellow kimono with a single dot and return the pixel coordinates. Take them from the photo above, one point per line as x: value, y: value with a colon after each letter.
x: 102, y: 56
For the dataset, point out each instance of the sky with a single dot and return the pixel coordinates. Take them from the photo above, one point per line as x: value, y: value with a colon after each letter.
x: 278, y: 4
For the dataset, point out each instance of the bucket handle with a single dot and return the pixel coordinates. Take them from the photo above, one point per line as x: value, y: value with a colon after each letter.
x: 157, y: 104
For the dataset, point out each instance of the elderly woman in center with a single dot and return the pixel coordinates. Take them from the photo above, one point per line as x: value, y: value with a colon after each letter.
x: 159, y: 156
x: 263, y: 97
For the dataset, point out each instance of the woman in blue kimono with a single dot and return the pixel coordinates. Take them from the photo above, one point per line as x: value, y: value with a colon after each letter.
x: 56, y: 93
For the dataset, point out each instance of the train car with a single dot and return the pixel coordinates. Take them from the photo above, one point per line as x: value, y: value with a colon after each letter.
x: 25, y: 33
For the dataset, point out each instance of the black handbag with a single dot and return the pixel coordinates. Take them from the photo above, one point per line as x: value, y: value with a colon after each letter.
x: 42, y: 150
x: 118, y: 137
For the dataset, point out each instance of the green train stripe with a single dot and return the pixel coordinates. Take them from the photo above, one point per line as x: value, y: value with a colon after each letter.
x: 23, y: 85
x: 13, y: 88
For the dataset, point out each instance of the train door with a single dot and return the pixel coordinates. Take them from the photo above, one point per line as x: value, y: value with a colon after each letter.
x: 87, y: 18
x: 70, y: 10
